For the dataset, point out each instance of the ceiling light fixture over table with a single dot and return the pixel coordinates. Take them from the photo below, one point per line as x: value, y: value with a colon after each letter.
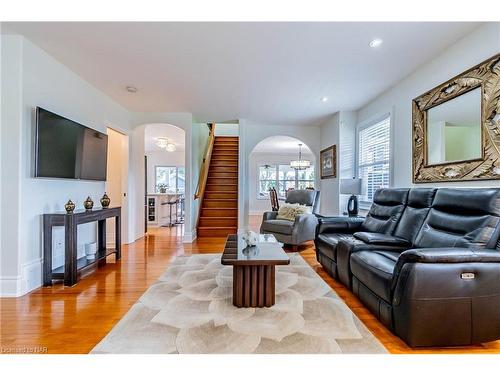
x: 300, y: 164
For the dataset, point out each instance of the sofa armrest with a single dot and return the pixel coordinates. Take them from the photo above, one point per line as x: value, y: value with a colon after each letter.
x: 269, y: 215
x: 381, y: 239
x: 442, y: 256
x: 339, y: 224
x: 446, y: 296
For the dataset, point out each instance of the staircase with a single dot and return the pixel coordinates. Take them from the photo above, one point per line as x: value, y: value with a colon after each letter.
x: 219, y: 205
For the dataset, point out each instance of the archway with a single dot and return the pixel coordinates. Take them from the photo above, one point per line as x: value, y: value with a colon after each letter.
x: 137, y: 182
x: 269, y: 166
x: 165, y: 178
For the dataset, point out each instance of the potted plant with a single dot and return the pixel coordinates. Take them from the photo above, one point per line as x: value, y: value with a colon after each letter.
x: 162, y: 188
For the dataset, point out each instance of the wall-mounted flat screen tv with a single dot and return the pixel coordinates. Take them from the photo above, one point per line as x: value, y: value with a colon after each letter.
x: 66, y: 149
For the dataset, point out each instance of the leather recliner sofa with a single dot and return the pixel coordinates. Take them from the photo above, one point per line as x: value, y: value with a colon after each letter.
x: 425, y: 261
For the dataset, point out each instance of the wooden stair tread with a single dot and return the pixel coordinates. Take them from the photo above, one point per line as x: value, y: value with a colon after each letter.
x: 220, y: 199
x: 224, y: 184
x: 232, y: 227
x: 219, y: 217
x: 219, y: 207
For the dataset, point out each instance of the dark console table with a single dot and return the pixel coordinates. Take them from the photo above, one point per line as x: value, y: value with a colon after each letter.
x: 73, y: 267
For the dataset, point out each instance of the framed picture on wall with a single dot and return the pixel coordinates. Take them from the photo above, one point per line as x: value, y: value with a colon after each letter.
x: 328, y: 160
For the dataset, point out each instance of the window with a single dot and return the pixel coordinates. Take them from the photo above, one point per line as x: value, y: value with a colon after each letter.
x: 172, y: 179
x: 267, y: 179
x: 283, y: 177
x: 374, y: 158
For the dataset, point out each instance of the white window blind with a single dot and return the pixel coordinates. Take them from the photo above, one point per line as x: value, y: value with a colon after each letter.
x: 374, y: 158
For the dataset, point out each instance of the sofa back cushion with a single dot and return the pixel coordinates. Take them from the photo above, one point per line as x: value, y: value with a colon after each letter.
x: 386, y: 210
x: 462, y: 218
x: 416, y: 210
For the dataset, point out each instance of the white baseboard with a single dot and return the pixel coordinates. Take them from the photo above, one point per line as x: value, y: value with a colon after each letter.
x: 10, y: 286
x: 189, y: 237
x: 31, y: 273
x: 30, y: 279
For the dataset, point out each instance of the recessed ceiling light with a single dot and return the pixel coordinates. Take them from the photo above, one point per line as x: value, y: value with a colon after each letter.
x: 324, y: 99
x: 376, y: 43
x: 131, y: 89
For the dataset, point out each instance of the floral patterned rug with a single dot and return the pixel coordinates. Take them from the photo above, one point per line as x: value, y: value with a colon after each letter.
x: 190, y: 310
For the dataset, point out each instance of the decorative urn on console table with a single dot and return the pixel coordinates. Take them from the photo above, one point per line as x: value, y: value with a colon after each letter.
x: 69, y: 207
x: 105, y: 201
x: 88, y: 204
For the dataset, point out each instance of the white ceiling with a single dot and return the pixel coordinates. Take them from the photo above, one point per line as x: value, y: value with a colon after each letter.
x: 273, y: 73
x: 280, y: 144
x: 174, y: 134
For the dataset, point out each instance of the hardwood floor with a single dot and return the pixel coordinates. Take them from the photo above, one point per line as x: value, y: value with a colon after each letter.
x: 74, y: 320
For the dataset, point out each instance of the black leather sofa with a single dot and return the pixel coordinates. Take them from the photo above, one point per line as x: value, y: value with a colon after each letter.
x: 425, y: 261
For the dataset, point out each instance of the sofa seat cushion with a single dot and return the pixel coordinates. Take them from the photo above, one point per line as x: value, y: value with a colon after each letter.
x: 278, y: 226
x: 327, y: 243
x: 375, y: 270
x: 381, y: 239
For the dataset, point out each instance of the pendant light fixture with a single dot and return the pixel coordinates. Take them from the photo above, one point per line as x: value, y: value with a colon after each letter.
x: 300, y: 164
x: 165, y: 144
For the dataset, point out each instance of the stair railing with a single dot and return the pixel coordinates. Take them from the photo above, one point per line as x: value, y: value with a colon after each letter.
x: 205, y: 166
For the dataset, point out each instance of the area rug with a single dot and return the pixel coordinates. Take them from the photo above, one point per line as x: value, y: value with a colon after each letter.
x: 190, y: 310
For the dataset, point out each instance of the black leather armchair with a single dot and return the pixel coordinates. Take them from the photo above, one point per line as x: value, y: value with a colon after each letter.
x: 433, y: 277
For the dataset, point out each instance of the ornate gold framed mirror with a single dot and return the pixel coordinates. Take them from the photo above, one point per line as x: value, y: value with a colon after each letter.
x: 456, y: 127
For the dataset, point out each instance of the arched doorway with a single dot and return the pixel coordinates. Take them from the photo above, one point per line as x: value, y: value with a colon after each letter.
x: 165, y: 178
x: 269, y: 166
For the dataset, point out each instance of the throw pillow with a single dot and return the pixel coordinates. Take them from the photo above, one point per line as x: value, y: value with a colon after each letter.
x: 289, y: 211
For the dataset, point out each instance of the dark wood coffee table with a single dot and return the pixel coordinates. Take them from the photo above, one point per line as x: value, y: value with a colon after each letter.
x: 254, y: 269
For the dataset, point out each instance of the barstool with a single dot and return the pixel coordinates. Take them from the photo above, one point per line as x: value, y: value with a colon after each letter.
x: 181, y: 201
x: 170, y: 203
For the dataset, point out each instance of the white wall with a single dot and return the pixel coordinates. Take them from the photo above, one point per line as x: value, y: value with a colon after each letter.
x: 256, y: 205
x: 339, y: 130
x: 330, y: 135
x: 227, y: 130
x: 33, y: 78
x: 10, y: 279
x: 200, y: 135
x: 481, y: 44
x: 346, y: 151
x: 162, y: 159
x: 252, y: 133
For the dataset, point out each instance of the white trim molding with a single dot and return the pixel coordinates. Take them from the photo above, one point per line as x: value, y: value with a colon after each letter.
x: 10, y: 286
x: 29, y: 279
x: 189, y: 237
x: 31, y: 275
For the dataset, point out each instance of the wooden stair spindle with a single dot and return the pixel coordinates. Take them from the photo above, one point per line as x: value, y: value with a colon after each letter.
x: 218, y: 188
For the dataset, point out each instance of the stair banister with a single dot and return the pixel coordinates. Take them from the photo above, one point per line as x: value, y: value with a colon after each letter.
x: 202, y: 180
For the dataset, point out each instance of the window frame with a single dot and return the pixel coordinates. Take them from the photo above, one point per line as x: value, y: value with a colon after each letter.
x: 365, y: 205
x: 277, y: 165
x: 176, y: 177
